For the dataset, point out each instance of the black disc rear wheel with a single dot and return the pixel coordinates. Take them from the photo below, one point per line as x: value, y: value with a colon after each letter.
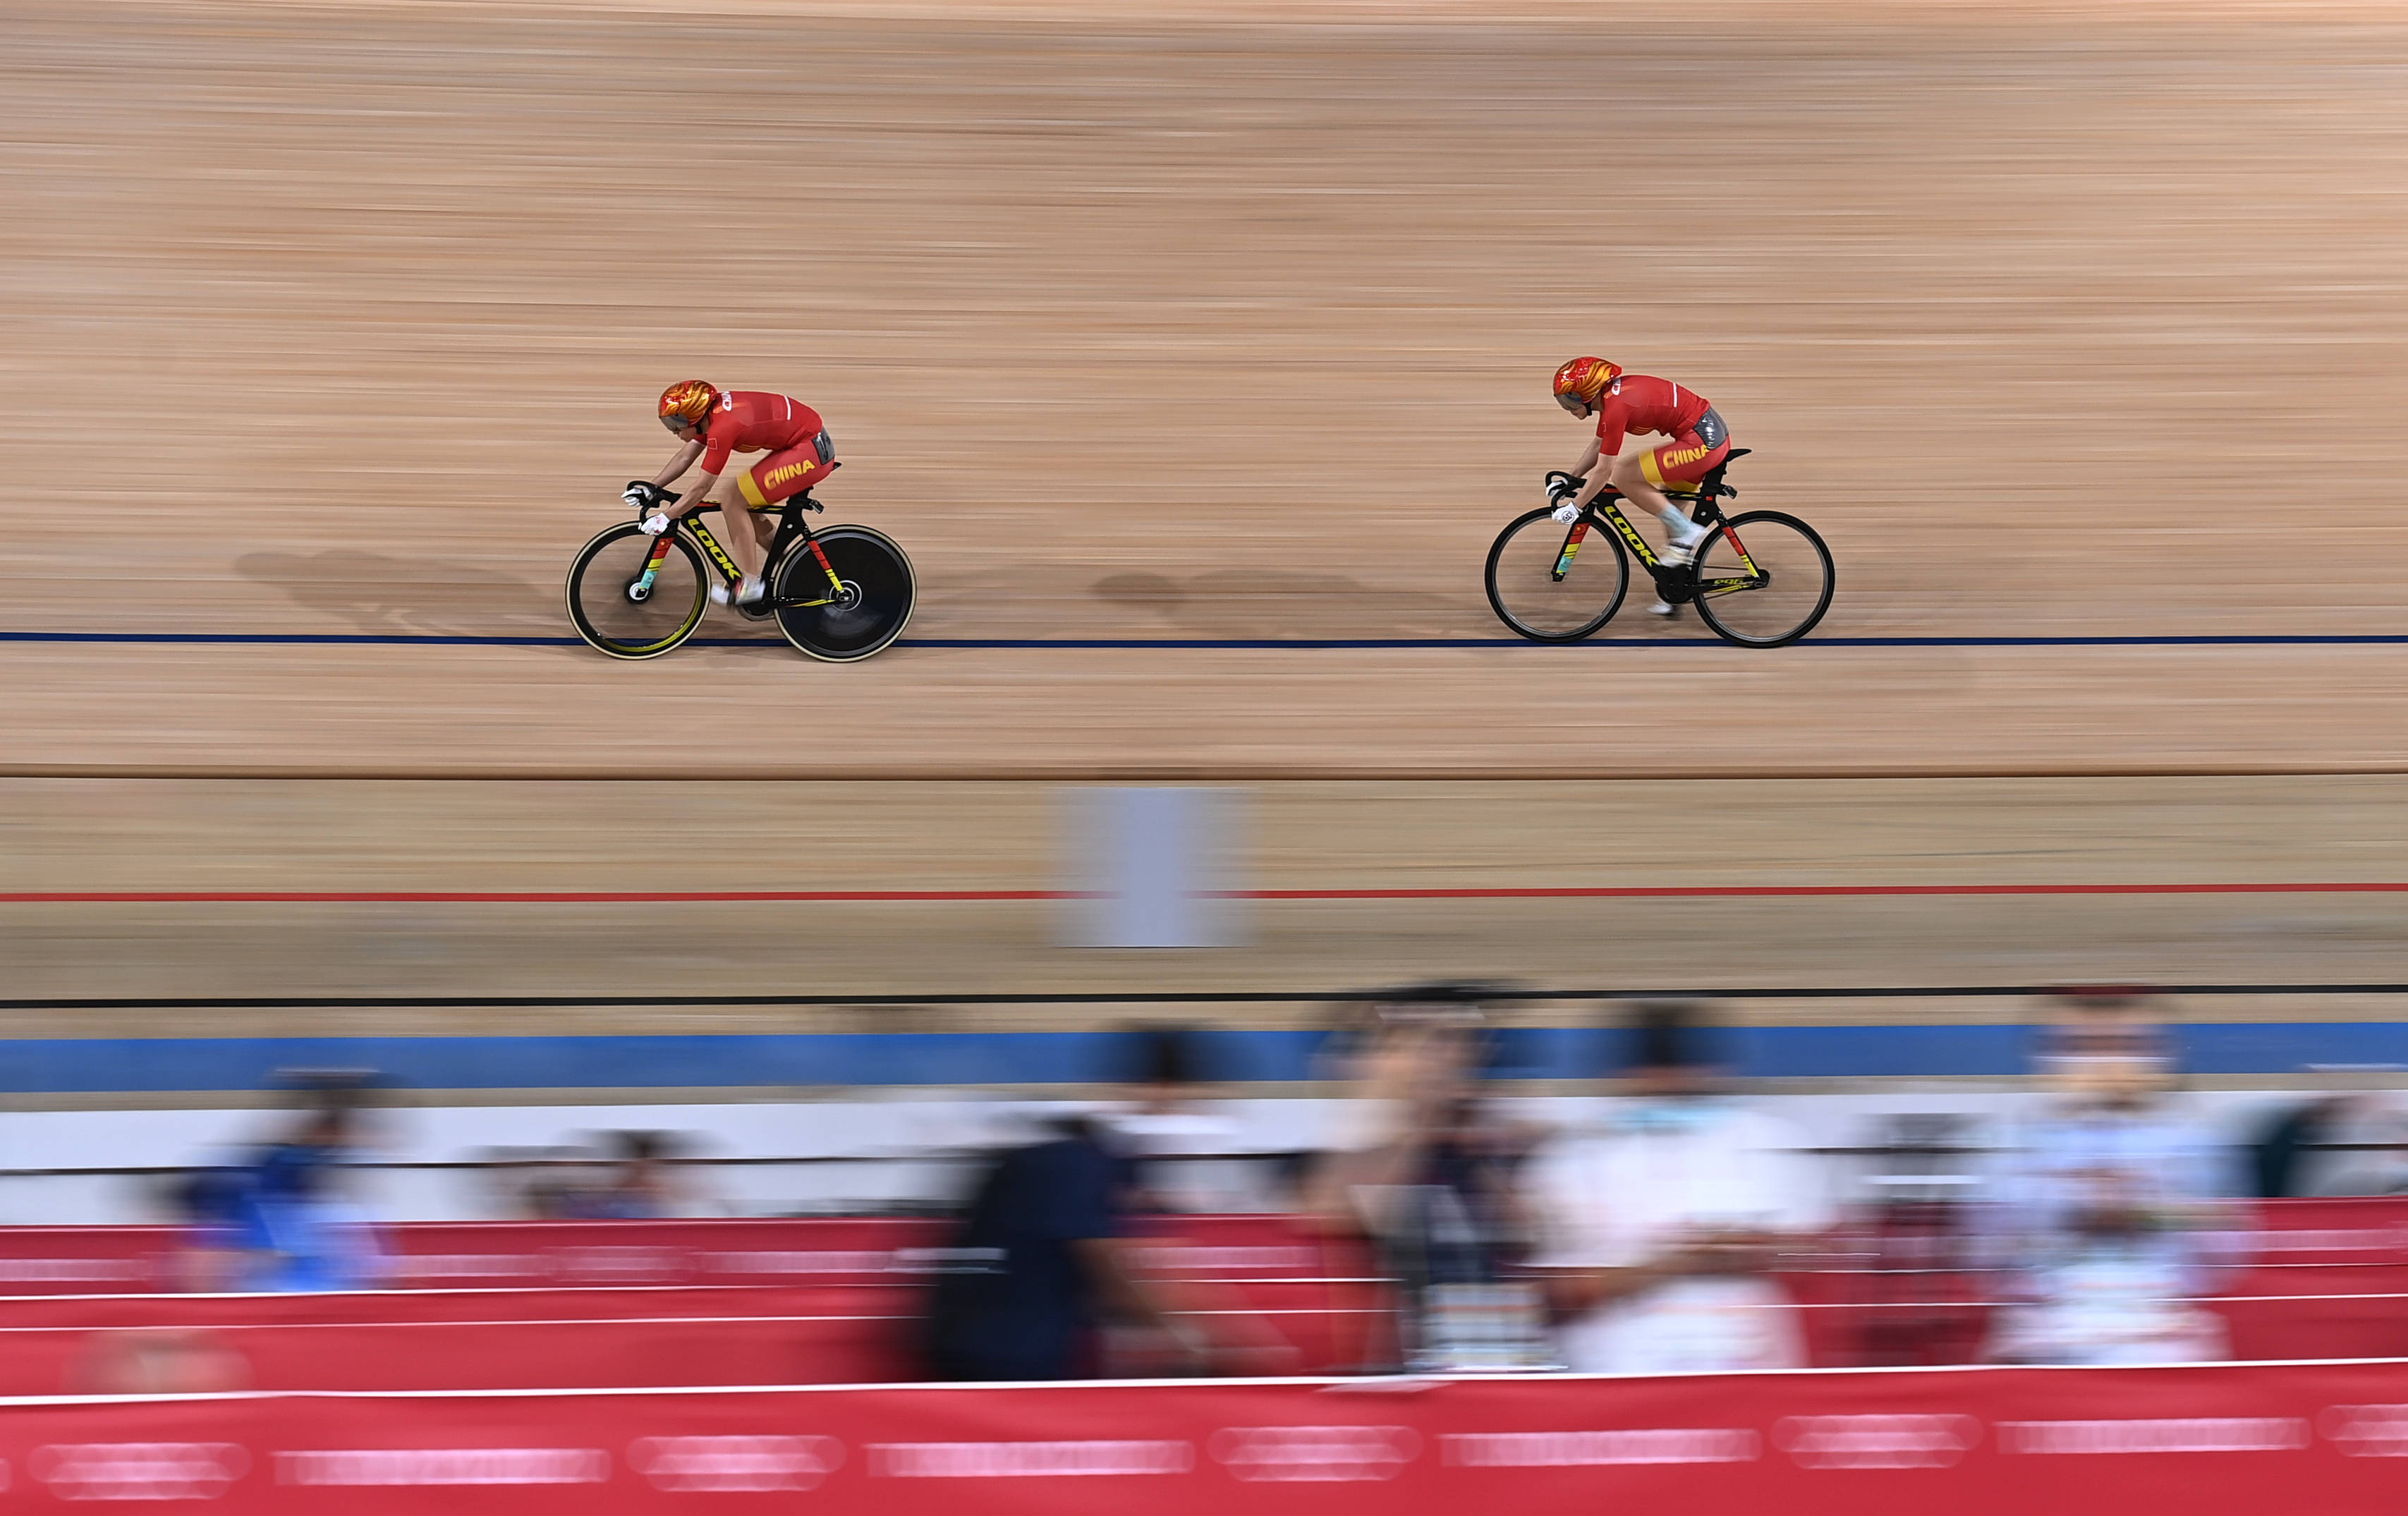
x: 619, y: 607
x: 866, y: 610
x: 1763, y: 579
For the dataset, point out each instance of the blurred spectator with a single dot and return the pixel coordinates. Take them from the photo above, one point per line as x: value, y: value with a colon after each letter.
x: 639, y: 1184
x: 287, y: 1210
x: 1658, y: 1228
x: 533, y: 1184
x: 2282, y: 1157
x: 209, y: 1207
x: 1424, y: 1172
x: 1168, y: 1140
x: 2109, y: 1213
x: 627, y: 1175
x: 1041, y: 1259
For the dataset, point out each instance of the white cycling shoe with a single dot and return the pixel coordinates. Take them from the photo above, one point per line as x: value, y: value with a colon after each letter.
x: 1681, y: 552
x: 747, y: 593
x: 1669, y: 612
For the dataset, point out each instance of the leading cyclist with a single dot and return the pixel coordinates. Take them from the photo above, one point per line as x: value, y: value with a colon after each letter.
x: 1625, y: 403
x: 714, y: 424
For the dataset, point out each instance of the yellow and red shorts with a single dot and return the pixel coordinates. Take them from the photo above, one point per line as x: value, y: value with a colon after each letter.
x: 1686, y: 459
x: 788, y: 472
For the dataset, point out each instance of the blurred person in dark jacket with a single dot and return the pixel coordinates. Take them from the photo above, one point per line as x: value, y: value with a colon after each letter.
x: 1045, y: 1255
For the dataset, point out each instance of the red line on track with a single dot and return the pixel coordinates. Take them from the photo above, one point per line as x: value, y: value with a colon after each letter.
x: 1642, y: 891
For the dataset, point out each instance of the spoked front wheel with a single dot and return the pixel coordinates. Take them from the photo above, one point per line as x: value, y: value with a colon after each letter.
x: 1556, y: 583
x: 635, y: 595
x: 864, y: 609
x: 1763, y: 579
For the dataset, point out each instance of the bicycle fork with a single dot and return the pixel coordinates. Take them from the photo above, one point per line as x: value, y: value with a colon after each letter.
x: 1571, y: 546
x: 643, y: 588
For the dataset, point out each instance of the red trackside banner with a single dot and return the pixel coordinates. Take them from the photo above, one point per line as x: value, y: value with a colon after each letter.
x: 101, y: 1259
x: 2331, y: 1439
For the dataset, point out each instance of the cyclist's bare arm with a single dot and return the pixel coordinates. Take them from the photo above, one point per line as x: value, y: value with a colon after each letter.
x: 679, y: 465
x: 1586, y: 470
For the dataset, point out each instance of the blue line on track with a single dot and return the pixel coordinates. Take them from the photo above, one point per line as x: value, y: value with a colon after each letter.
x: 1213, y: 644
x: 51, y: 1065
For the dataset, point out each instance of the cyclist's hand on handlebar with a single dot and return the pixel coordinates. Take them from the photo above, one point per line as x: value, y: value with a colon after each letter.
x: 641, y: 494
x: 654, y: 524
x: 1562, y: 486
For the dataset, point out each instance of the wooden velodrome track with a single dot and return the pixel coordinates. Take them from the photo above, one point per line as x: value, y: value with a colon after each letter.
x: 2082, y: 325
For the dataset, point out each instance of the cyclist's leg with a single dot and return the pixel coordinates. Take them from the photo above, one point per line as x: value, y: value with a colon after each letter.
x: 1628, y: 475
x: 1685, y: 460
x: 778, y: 478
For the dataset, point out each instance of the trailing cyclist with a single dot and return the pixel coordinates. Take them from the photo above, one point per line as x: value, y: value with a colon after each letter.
x: 1640, y: 403
x: 712, y: 424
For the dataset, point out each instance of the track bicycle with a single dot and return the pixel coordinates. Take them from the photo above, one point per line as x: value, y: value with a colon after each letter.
x: 1770, y: 589
x: 839, y: 595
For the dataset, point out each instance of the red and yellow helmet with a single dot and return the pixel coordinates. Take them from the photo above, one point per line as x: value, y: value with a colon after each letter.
x: 1579, y: 384
x: 687, y: 403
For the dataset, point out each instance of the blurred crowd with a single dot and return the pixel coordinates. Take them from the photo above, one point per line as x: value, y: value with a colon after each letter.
x: 1673, y: 1227
x: 284, y: 1215
x: 1659, y: 1222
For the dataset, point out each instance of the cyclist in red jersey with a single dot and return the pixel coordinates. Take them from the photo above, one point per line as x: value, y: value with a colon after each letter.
x: 713, y: 425
x: 1626, y: 403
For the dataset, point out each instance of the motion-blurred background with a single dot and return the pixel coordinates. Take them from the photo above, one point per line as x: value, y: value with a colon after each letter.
x: 1196, y: 354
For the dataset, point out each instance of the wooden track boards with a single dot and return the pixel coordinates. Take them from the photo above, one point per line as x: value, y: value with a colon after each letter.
x: 346, y: 321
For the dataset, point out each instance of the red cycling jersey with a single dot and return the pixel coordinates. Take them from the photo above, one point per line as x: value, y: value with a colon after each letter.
x: 1643, y: 403
x: 754, y: 421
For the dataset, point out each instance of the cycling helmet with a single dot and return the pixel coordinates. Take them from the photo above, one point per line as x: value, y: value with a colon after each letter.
x: 687, y: 403
x: 1579, y: 384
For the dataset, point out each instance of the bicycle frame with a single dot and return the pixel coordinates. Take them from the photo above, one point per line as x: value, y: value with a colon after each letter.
x: 1671, y: 584
x: 791, y: 526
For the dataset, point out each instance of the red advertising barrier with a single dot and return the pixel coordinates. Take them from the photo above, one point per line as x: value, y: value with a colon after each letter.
x: 2331, y: 1439
x: 546, y: 1338
x: 89, y: 1259
x: 478, y: 1355
x: 827, y: 1301
x: 102, y: 1260
x: 373, y: 1306
x: 84, y: 1260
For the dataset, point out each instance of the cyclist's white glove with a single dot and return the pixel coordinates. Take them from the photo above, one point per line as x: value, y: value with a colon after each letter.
x: 655, y: 524
x: 1567, y: 513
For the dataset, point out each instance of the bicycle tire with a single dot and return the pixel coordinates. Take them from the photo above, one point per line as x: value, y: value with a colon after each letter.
x: 875, y: 566
x: 1776, y: 554
x: 1529, y: 578
x: 601, y: 603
